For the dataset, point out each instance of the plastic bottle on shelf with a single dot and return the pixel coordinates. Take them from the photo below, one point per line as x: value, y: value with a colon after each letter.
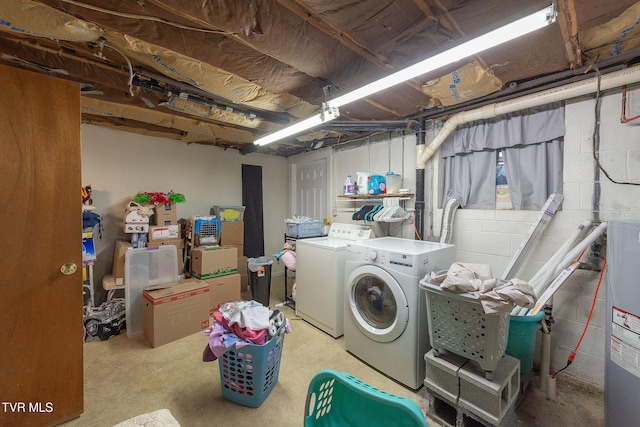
x: 349, y: 187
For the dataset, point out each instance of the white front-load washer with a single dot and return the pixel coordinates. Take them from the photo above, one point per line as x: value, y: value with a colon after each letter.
x: 320, y: 276
x: 385, y: 319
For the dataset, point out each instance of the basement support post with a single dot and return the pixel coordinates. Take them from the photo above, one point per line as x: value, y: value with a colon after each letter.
x: 420, y: 175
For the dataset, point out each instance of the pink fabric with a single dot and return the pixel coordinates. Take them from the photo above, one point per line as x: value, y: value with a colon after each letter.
x: 256, y: 337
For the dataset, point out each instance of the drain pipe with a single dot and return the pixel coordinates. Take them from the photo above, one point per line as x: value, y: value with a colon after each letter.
x: 560, y: 93
x: 420, y: 175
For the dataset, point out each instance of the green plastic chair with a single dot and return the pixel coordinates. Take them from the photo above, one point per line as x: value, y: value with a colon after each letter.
x: 340, y: 399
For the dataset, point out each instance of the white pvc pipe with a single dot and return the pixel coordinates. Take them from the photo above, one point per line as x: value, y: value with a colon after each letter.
x: 545, y: 358
x: 572, y: 90
x: 573, y: 255
x: 584, y: 244
x: 544, y: 275
x: 551, y: 387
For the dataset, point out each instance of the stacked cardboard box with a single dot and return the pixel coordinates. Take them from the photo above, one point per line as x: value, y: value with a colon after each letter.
x: 165, y: 230
x: 164, y: 214
x: 218, y: 266
x: 117, y: 269
x: 175, y: 311
x: 233, y: 235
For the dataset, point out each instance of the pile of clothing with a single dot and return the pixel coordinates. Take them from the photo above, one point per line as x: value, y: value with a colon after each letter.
x: 242, y: 323
x: 495, y: 295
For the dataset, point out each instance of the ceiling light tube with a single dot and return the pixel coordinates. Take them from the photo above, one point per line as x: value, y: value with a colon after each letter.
x: 518, y: 28
x: 326, y: 114
x: 486, y: 41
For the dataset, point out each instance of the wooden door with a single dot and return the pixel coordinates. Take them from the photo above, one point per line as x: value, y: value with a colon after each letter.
x: 41, y: 330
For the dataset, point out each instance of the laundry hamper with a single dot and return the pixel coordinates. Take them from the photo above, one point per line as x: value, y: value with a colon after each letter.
x: 458, y: 323
x: 338, y: 399
x: 248, y: 374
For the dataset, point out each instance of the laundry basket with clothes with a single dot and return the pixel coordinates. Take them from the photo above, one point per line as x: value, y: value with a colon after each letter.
x: 246, y: 339
x: 468, y: 312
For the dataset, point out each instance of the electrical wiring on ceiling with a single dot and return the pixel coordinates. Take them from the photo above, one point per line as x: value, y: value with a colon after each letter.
x: 146, y: 18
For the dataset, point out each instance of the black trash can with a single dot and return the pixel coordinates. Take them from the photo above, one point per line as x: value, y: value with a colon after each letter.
x: 260, y: 279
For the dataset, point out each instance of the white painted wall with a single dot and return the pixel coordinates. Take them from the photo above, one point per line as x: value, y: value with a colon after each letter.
x: 120, y: 164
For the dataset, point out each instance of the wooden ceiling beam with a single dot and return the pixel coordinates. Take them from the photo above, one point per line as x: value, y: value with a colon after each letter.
x: 308, y: 15
x: 568, y: 23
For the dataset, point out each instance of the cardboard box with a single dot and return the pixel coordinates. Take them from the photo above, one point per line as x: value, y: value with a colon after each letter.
x: 174, y: 311
x: 178, y: 243
x: 243, y: 262
x: 232, y: 233
x: 117, y: 268
x: 164, y: 232
x: 244, y: 282
x: 240, y: 249
x: 223, y: 289
x: 208, y: 262
x: 164, y: 214
x: 109, y: 282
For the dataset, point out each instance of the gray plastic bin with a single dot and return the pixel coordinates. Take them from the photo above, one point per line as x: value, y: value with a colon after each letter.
x: 260, y: 279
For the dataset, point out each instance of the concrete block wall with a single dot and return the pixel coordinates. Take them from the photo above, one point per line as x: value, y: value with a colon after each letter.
x: 493, y: 236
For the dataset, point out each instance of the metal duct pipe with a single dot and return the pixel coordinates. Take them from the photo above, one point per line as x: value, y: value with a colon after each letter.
x: 374, y: 125
x: 420, y: 174
x: 560, y: 93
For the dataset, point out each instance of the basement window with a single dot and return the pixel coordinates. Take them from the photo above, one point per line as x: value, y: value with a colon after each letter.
x: 512, y: 162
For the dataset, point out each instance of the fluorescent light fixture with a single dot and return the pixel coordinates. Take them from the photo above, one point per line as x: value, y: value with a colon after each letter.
x: 326, y: 114
x: 518, y: 28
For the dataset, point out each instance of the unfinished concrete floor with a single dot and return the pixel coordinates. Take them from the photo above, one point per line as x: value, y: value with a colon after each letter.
x: 124, y: 378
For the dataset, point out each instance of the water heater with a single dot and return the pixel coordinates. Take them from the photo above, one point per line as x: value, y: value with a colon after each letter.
x: 622, y: 346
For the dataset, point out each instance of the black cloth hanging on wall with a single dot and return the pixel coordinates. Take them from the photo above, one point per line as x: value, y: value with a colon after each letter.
x: 253, y: 214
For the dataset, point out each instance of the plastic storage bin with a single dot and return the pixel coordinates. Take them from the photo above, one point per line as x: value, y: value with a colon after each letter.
x: 340, y: 399
x: 458, y: 323
x: 304, y: 229
x: 260, y: 279
x: 521, y: 343
x: 143, y: 268
x: 229, y: 213
x: 249, y: 374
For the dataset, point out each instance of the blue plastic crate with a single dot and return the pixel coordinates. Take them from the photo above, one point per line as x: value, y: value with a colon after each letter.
x: 304, y: 229
x: 248, y: 374
x: 206, y: 231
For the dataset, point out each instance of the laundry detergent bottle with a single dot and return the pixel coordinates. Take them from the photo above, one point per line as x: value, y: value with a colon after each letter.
x: 349, y: 188
x: 377, y: 185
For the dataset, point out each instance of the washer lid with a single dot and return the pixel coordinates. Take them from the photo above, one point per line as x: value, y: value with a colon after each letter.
x: 377, y: 303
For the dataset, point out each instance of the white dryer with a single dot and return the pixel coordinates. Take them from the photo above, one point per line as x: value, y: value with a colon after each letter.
x: 320, y: 276
x: 385, y: 320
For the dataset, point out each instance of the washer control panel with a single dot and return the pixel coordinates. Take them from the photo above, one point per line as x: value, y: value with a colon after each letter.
x: 349, y: 231
x: 382, y: 257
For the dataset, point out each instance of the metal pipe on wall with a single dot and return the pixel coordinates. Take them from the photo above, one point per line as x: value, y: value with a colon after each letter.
x: 420, y: 176
x: 560, y: 93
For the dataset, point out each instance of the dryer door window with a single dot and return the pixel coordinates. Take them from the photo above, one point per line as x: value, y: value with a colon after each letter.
x: 377, y: 303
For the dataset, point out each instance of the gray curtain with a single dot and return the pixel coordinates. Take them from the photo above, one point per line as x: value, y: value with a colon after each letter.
x: 533, y: 173
x: 532, y: 143
x: 471, y: 178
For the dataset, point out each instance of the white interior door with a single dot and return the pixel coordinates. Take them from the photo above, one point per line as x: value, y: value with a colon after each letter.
x: 310, y: 188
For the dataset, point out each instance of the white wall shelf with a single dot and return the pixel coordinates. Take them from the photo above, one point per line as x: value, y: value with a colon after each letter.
x: 356, y: 197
